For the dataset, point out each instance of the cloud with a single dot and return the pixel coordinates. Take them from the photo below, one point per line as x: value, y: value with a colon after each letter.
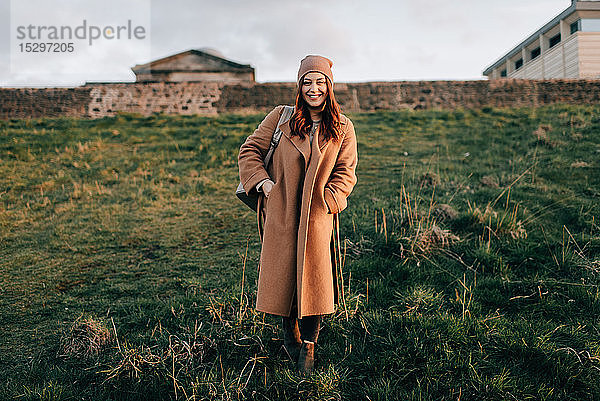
x: 270, y: 34
x: 376, y: 40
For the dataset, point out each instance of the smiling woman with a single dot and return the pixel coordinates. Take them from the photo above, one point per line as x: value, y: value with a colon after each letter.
x: 301, y: 192
x: 314, y: 87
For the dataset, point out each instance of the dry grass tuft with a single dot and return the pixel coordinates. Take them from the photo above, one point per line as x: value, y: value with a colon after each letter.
x: 489, y: 181
x: 499, y: 223
x: 443, y: 212
x: 576, y: 136
x: 419, y: 231
x: 434, y: 237
x: 580, y: 164
x: 429, y: 179
x: 541, y: 134
x: 135, y: 363
x: 85, y: 338
x: 360, y: 247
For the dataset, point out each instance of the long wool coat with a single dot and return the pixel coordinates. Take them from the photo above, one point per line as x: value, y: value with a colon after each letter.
x: 311, y: 185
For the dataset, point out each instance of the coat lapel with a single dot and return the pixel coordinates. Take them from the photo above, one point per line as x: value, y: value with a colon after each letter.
x: 322, y: 142
x: 302, y: 145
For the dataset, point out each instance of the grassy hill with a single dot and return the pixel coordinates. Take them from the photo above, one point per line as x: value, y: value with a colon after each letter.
x: 471, y: 261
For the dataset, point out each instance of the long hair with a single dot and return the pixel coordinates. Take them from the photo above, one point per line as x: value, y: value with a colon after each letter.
x: 301, y: 123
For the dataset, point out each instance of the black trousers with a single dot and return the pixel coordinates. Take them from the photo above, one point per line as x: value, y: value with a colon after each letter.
x: 309, y: 325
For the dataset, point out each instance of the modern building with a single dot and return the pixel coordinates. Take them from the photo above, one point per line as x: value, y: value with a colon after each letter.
x: 194, y: 65
x: 566, y: 47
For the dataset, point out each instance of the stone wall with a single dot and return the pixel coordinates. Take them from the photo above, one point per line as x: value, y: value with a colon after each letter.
x: 49, y: 102
x: 147, y: 98
x: 105, y: 99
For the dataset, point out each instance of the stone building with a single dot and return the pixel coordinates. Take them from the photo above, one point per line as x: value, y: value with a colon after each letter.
x: 194, y: 65
x: 566, y: 47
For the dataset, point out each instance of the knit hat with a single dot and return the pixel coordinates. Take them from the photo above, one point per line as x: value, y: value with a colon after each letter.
x: 315, y: 63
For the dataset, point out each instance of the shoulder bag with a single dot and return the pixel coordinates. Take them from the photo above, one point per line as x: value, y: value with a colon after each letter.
x: 252, y: 200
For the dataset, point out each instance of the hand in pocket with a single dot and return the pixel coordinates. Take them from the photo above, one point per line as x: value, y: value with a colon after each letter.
x: 267, y: 187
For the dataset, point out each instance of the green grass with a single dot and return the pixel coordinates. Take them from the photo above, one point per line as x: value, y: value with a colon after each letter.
x: 128, y: 267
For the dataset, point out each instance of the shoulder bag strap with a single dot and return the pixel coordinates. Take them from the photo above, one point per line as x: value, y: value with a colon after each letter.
x: 285, y: 115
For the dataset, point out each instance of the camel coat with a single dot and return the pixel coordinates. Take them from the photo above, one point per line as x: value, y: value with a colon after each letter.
x: 311, y: 185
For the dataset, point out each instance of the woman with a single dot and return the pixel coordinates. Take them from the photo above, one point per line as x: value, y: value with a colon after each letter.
x: 311, y: 174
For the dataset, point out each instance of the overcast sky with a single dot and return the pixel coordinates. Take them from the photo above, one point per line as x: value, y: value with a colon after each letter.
x: 377, y: 40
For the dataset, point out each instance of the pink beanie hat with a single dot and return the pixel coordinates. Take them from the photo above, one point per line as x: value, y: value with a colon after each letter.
x: 315, y: 63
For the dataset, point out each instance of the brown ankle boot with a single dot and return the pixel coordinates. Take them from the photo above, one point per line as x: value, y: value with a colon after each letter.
x: 306, y: 359
x: 291, y: 338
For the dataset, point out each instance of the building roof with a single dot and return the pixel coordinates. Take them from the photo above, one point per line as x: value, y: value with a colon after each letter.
x: 203, y: 60
x: 575, y: 6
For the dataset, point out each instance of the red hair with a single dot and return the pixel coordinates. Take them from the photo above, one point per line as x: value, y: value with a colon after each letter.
x: 301, y: 122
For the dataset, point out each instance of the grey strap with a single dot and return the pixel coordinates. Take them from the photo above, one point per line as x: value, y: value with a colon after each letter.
x: 285, y: 115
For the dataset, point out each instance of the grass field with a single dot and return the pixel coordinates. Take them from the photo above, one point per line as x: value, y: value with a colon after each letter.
x: 471, y: 261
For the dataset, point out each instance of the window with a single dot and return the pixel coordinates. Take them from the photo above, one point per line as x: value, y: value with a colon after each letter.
x: 554, y: 40
x: 536, y: 52
x: 576, y: 26
x: 518, y: 64
x: 590, y: 25
x: 503, y: 73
